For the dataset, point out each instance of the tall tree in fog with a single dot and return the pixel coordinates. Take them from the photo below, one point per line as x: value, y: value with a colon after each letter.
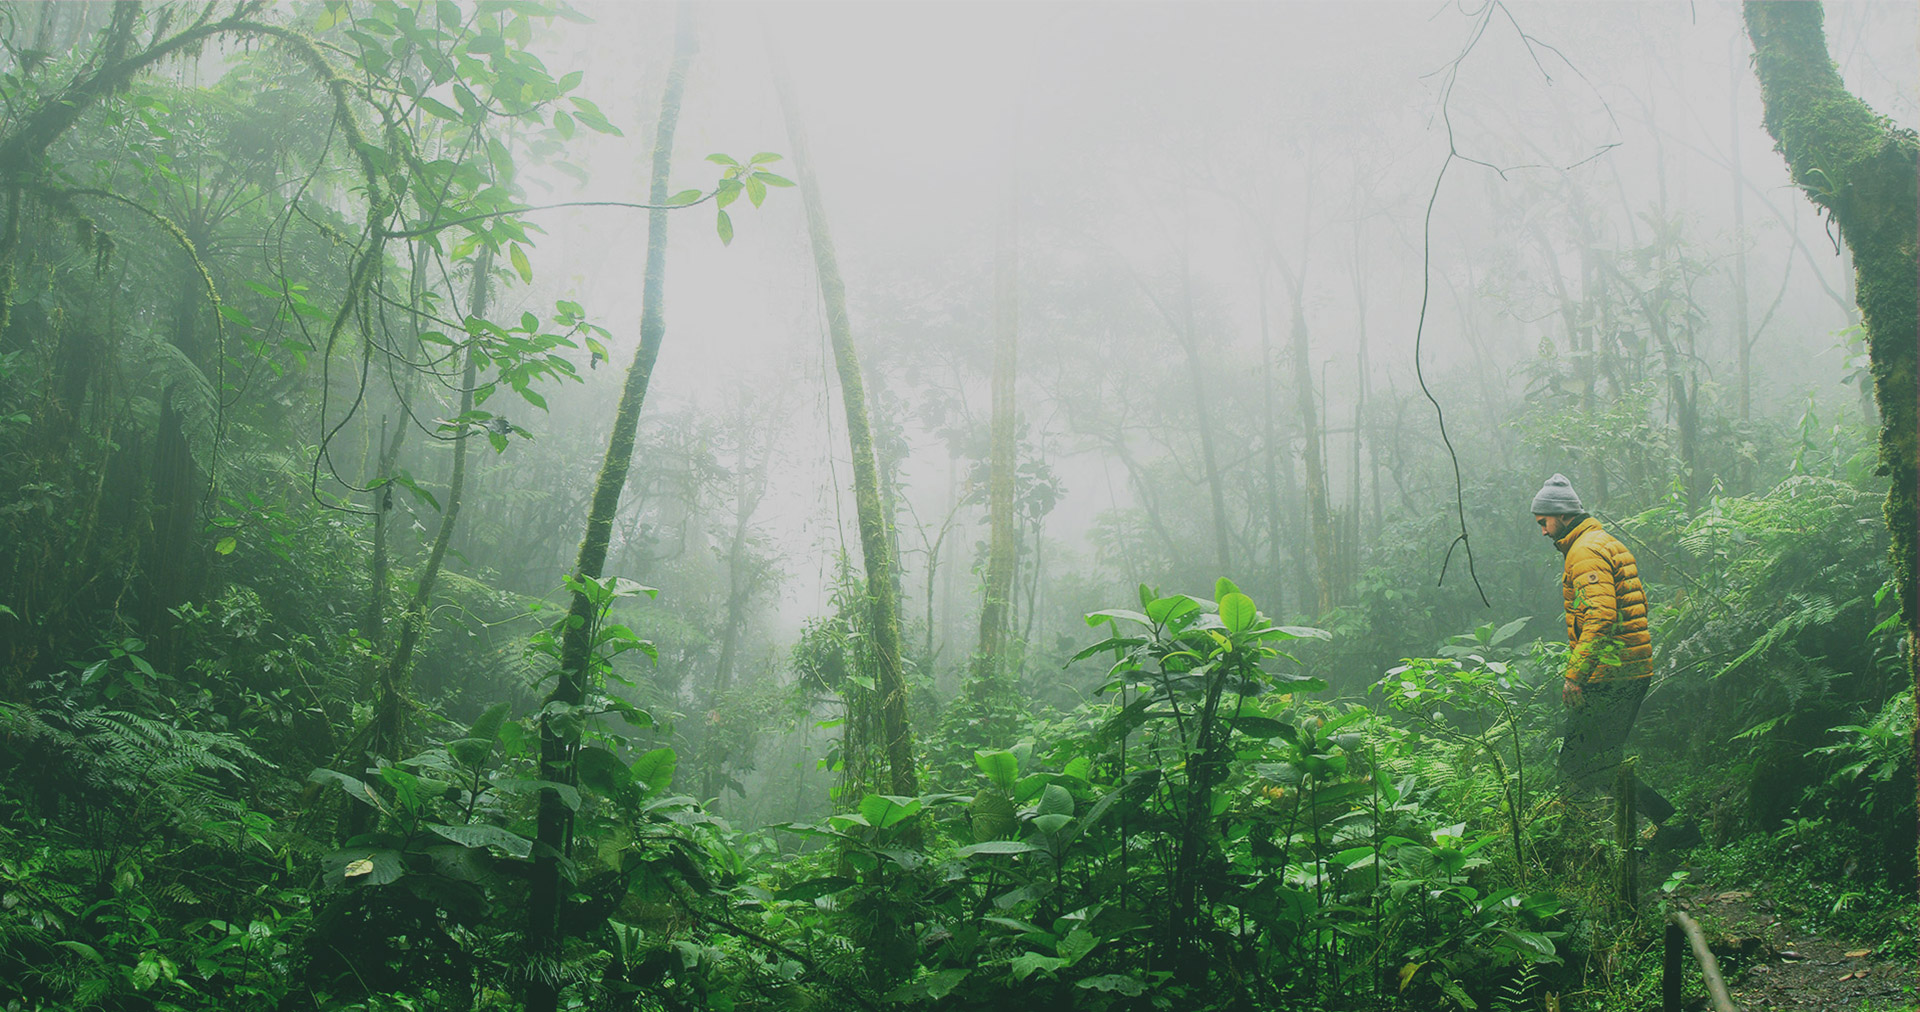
x: 1319, y: 514
x: 559, y: 746
x: 876, y: 537
x: 995, y: 609
x: 1855, y: 164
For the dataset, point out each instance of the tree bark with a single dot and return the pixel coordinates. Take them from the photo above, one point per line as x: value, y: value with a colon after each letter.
x: 1270, y: 455
x: 1855, y: 164
x: 1002, y: 541
x: 1209, y: 458
x: 557, y: 748
x: 1318, y: 512
x: 875, y: 535
x: 389, y: 725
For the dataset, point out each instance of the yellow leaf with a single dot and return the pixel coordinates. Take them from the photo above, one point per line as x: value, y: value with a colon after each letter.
x: 1857, y: 953
x: 357, y: 868
x: 1407, y: 972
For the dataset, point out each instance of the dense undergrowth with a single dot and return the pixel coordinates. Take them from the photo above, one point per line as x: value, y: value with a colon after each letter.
x: 273, y: 738
x: 1212, y: 831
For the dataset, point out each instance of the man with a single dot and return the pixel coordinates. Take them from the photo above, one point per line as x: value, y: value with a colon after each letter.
x: 1611, y: 662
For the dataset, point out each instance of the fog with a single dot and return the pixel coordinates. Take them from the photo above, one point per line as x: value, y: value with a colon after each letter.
x: 1143, y: 137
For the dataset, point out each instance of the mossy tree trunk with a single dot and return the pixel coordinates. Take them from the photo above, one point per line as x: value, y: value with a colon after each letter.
x: 989, y: 682
x: 876, y: 542
x: 1861, y: 170
x: 558, y: 746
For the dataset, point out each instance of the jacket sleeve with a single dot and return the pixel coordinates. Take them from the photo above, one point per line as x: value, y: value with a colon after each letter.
x: 1596, y: 606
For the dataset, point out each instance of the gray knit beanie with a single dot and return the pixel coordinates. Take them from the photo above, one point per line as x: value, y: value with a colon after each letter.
x: 1556, y: 498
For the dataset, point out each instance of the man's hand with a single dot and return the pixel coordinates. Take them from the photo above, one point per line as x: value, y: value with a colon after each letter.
x: 1570, y: 693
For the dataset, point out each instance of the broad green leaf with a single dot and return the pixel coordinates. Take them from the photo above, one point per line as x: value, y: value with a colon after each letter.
x: 1076, y: 945
x: 472, y: 753
x: 364, y: 866
x: 355, y: 788
x: 724, y: 226
x: 995, y: 847
x: 939, y: 985
x: 225, y: 546
x: 569, y: 796
x: 884, y: 810
x: 520, y: 264
x: 83, y: 950
x: 992, y: 816
x: 1001, y: 767
x: 1222, y: 587
x: 1237, y: 612
x: 488, y: 726
x: 685, y: 197
x: 440, y: 109
x: 1263, y: 727
x: 1506, y: 632
x: 772, y: 180
x: 1027, y: 963
x: 655, y: 769
x: 1051, y: 824
x: 1164, y: 610
x: 1056, y: 800
x: 1115, y: 983
x: 720, y: 159
x: 485, y: 836
x: 603, y: 771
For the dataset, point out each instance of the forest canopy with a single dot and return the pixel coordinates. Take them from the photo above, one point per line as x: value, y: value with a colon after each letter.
x: 526, y: 504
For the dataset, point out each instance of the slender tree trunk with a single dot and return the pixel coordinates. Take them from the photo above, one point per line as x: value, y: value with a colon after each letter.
x: 1851, y: 161
x: 389, y: 720
x: 1270, y: 455
x: 376, y: 619
x: 1740, y: 326
x: 875, y: 536
x: 1196, y: 371
x: 1317, y: 509
x: 750, y: 487
x: 1002, y: 542
x: 557, y: 746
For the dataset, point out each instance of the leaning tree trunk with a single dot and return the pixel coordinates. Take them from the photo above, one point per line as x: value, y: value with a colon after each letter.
x: 558, y: 747
x: 875, y: 538
x: 1854, y: 163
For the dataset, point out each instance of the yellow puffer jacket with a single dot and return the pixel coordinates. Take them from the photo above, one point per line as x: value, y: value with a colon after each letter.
x: 1606, y: 608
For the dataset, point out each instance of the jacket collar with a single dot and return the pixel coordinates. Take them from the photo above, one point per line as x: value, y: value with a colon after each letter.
x: 1565, y: 543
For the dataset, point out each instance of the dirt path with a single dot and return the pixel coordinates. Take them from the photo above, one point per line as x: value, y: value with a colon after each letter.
x: 1771, y: 966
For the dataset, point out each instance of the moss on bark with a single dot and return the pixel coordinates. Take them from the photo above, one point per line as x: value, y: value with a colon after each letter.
x: 1860, y: 168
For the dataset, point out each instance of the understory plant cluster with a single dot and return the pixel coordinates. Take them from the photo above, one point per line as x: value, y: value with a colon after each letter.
x: 1211, y: 829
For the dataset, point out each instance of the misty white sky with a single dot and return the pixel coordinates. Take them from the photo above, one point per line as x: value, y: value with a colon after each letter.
x: 1136, y: 130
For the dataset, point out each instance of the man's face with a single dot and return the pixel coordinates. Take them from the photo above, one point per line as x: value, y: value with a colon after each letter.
x: 1553, y: 526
